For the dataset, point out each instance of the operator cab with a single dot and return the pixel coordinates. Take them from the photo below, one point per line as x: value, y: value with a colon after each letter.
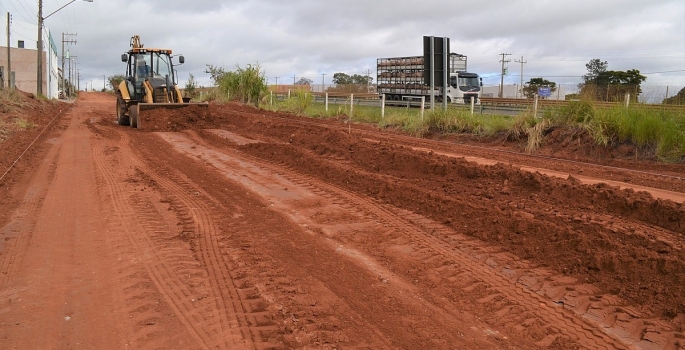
x: 467, y: 82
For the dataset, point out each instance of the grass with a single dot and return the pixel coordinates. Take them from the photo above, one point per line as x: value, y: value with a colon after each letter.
x: 10, y: 101
x: 656, y: 133
x: 23, y: 123
x: 4, y: 130
x: 659, y: 133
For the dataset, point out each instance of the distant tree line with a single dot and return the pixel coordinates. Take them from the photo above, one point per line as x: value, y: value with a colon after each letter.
x: 599, y: 84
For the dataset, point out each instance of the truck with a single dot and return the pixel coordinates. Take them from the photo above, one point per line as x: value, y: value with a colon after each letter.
x: 402, y: 78
x: 150, y: 83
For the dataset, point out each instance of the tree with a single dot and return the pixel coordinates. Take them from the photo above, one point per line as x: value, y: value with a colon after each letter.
x: 594, y: 68
x: 215, y: 73
x: 601, y: 84
x: 531, y: 87
x: 344, y: 79
x: 191, y: 86
x: 304, y: 81
x: 341, y: 79
x: 612, y: 86
x: 678, y: 99
x: 115, y: 80
x: 351, y: 83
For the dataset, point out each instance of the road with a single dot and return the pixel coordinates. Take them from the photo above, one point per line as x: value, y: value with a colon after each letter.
x: 234, y: 228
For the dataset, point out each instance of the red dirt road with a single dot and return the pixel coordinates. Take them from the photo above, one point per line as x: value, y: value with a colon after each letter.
x: 234, y: 228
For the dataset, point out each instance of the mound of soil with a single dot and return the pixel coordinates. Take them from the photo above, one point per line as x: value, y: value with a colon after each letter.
x: 22, y: 119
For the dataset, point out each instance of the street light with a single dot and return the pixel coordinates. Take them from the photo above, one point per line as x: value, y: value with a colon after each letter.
x: 39, y: 80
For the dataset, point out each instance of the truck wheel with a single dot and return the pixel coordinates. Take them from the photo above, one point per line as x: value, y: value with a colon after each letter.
x: 134, y: 119
x: 122, y: 118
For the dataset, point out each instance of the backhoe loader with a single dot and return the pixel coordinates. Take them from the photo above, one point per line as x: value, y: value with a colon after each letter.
x: 150, y: 83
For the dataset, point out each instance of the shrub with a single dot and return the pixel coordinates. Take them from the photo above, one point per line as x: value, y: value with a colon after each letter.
x: 244, y: 84
x: 298, y: 102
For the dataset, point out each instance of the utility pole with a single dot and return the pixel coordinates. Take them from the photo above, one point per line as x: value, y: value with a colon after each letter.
x: 294, y: 81
x: 68, y: 41
x: 276, y: 84
x: 72, y: 67
x: 501, y: 84
x: 323, y: 77
x: 522, y: 63
x: 9, y: 61
x: 104, y: 83
x: 39, y: 79
x: 368, y: 83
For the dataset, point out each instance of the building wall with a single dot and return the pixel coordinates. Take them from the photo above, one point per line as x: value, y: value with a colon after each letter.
x: 513, y: 91
x: 25, y: 61
x: 24, y: 66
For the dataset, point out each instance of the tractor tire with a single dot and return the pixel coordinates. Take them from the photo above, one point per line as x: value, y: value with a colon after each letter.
x: 133, y: 116
x: 122, y: 118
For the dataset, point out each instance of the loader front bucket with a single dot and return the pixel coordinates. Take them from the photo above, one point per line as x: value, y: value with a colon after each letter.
x: 135, y: 110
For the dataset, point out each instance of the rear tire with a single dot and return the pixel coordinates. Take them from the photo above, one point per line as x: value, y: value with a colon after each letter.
x: 122, y: 118
x: 134, y: 118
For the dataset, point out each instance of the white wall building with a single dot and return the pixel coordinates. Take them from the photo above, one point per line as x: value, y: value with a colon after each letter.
x: 24, y: 58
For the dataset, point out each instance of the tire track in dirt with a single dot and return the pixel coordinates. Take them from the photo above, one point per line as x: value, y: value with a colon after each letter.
x: 252, y: 177
x: 196, y: 221
x: 197, y: 314
x: 241, y: 310
x: 532, y: 288
x: 603, y: 317
x: 402, y: 225
x: 161, y: 276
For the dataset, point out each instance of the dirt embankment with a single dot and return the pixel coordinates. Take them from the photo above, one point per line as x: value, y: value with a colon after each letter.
x: 232, y: 227
x: 576, y: 229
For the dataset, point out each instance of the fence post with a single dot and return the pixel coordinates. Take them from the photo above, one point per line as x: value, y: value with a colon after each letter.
x: 326, y: 98
x: 271, y: 97
x: 535, y: 106
x: 288, y: 93
x: 382, y: 106
x: 351, y: 104
x: 627, y: 100
x: 473, y: 102
x: 423, y: 105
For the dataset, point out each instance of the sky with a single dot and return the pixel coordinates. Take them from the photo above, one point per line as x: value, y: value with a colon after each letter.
x: 310, y: 38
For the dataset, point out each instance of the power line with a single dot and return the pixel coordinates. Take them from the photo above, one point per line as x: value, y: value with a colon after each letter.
x: 32, y: 18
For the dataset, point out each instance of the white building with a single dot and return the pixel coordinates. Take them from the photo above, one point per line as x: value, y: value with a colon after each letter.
x: 24, y: 58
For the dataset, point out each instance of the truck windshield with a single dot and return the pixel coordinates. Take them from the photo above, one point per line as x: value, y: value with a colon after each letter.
x: 469, y: 83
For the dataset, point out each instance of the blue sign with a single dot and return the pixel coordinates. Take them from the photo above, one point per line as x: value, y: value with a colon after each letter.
x: 544, y: 92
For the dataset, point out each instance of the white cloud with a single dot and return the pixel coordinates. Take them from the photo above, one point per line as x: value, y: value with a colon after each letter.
x: 311, y: 37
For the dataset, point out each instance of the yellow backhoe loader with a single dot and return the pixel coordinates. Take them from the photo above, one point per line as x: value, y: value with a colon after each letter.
x: 150, y: 83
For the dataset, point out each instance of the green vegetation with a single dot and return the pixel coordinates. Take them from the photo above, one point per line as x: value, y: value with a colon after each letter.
x: 298, y: 102
x: 115, y: 80
x: 660, y: 133
x: 655, y: 133
x: 247, y: 85
x: 678, y: 99
x: 10, y: 100
x: 531, y: 87
x: 23, y: 123
x: 600, y: 84
x: 10, y: 104
x: 191, y: 88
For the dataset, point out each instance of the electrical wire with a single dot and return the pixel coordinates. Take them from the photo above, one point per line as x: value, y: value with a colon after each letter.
x: 29, y: 146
